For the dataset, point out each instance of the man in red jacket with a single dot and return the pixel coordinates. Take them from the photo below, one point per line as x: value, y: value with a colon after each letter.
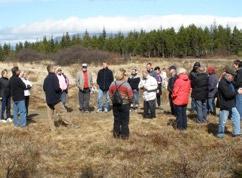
x: 180, y: 96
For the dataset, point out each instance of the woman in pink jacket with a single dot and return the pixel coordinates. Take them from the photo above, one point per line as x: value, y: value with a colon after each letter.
x: 180, y: 96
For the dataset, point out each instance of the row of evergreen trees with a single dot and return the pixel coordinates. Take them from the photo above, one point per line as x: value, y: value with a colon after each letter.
x: 191, y: 41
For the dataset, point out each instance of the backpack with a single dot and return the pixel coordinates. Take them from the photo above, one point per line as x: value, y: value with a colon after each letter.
x: 117, y: 99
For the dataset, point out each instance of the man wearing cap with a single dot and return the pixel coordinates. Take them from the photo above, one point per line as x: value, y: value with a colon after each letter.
x: 84, y: 83
x: 171, y: 81
x: 227, y: 94
x: 104, y: 80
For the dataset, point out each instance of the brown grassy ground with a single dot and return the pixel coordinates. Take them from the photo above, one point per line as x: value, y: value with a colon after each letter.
x: 155, y: 148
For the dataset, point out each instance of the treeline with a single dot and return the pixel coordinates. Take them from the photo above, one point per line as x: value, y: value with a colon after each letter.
x: 191, y: 41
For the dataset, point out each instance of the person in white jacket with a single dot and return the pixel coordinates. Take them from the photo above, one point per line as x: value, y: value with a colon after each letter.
x: 24, y: 76
x: 149, y: 86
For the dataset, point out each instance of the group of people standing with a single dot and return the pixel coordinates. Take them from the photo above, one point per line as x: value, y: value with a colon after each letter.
x: 17, y: 89
x: 205, y: 87
x: 202, y: 84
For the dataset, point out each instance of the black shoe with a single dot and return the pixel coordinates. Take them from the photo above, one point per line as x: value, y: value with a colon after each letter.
x: 238, y: 135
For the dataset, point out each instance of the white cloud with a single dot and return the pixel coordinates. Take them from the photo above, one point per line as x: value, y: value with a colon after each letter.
x: 49, y: 27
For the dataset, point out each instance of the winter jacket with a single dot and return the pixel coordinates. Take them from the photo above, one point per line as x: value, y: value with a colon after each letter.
x: 149, y: 85
x: 212, y: 85
x: 4, y: 87
x: 134, y: 82
x: 199, y: 85
x: 80, y: 80
x: 104, y: 79
x: 17, y: 87
x: 52, y: 89
x: 181, y: 90
x: 124, y: 89
x: 171, y: 82
x: 238, y: 79
x: 226, y: 94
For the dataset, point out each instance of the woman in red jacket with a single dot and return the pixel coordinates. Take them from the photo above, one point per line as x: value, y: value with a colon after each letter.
x: 180, y: 96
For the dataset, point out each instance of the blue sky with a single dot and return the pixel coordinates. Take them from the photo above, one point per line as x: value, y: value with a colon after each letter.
x: 38, y: 14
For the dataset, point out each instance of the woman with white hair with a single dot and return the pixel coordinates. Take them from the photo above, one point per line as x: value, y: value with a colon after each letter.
x: 180, y: 96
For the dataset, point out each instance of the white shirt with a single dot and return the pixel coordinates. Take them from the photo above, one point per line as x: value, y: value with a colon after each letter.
x: 27, y: 82
x: 150, y: 87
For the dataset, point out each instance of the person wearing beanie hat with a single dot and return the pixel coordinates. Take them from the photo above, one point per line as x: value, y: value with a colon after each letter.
x: 227, y: 95
x: 180, y: 96
x: 212, y: 90
x: 192, y: 77
x: 238, y: 85
x: 170, y: 86
x: 200, y: 94
x: 84, y: 83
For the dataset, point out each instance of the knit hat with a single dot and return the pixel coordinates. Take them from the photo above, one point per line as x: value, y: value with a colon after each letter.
x: 197, y: 64
x: 211, y: 70
x: 230, y: 70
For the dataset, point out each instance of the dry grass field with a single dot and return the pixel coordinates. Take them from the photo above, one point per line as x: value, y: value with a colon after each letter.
x: 154, y: 149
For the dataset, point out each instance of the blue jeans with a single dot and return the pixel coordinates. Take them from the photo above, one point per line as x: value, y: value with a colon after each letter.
x: 201, y: 109
x: 193, y: 105
x: 64, y: 97
x: 6, y: 106
x: 181, y: 117
x: 239, y: 104
x: 135, y: 100
x: 19, y: 113
x: 211, y: 105
x: 106, y: 103
x: 223, y: 116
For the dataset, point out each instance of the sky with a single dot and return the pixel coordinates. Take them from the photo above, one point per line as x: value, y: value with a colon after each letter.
x: 30, y: 20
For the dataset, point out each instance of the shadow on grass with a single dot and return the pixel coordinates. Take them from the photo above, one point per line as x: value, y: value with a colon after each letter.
x: 213, y: 129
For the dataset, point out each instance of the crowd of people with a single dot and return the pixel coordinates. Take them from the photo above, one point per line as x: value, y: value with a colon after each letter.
x: 121, y: 93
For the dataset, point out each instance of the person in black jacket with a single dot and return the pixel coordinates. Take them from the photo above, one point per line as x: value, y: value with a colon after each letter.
x: 238, y: 85
x: 17, y: 87
x: 170, y: 86
x: 134, y: 80
x: 55, y: 107
x: 192, y: 76
x: 227, y: 94
x: 6, y: 98
x: 104, y: 80
x: 200, y: 93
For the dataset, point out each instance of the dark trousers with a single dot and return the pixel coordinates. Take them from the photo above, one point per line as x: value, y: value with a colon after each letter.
x: 158, y: 95
x: 121, y: 121
x: 27, y: 105
x: 171, y: 105
x: 84, y: 99
x: 149, y: 109
x: 181, y: 117
x: 6, y: 107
